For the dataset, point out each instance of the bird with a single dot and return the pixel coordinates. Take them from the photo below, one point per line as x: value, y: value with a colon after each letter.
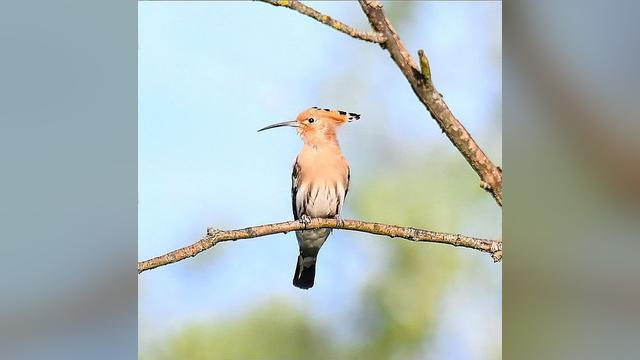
x: 319, y: 182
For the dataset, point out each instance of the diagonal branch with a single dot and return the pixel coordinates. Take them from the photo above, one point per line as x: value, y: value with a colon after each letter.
x: 327, y: 20
x: 422, y: 85
x: 213, y: 236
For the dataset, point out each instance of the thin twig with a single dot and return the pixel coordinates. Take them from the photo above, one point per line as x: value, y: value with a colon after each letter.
x: 214, y: 236
x: 327, y: 20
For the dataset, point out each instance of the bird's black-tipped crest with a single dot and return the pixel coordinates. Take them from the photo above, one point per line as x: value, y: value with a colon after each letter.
x: 352, y: 116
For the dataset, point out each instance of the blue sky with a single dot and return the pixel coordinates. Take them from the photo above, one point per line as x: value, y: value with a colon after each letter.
x: 212, y: 73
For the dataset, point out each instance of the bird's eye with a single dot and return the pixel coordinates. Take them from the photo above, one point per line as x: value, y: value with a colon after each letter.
x: 311, y: 120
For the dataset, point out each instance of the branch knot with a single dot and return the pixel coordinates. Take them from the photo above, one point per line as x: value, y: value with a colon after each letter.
x: 213, y: 232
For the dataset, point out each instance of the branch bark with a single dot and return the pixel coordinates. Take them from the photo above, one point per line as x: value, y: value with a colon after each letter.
x: 373, y: 37
x: 214, y: 236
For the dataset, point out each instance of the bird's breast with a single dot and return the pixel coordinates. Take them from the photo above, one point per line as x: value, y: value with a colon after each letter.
x: 323, y: 182
x: 321, y: 199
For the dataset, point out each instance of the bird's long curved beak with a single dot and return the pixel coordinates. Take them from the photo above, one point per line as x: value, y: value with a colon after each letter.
x: 285, y: 123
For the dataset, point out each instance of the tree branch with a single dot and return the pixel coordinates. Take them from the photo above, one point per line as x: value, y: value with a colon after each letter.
x: 214, y: 236
x: 327, y: 20
x: 422, y: 85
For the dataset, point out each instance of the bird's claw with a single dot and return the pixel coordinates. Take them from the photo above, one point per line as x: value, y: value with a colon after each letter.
x: 305, y: 219
x: 340, y: 219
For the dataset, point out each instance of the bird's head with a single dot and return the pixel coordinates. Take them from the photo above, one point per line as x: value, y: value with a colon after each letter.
x: 316, y: 125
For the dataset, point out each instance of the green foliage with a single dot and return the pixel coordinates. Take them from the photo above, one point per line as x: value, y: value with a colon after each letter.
x: 273, y: 331
x: 400, y: 308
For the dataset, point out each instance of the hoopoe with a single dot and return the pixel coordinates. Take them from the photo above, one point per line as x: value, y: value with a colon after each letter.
x: 319, y: 182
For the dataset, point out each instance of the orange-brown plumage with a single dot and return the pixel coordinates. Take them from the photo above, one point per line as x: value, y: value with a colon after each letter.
x: 323, y: 129
x: 320, y: 182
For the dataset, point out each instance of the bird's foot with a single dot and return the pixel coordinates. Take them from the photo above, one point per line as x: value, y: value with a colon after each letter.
x: 305, y: 219
x: 340, y: 219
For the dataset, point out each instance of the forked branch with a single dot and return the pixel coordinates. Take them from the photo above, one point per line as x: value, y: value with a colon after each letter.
x: 214, y: 236
x: 327, y: 20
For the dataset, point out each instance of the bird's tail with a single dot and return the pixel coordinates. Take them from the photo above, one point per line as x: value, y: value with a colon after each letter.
x: 305, y: 271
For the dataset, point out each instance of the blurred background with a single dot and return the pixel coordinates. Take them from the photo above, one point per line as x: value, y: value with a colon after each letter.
x: 209, y: 75
x: 571, y: 86
x: 68, y: 156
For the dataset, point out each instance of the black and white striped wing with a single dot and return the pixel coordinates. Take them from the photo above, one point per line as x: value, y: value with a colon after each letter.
x: 346, y: 187
x: 294, y: 190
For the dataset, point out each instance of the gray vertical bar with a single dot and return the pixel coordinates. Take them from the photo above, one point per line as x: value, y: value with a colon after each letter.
x: 68, y: 165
